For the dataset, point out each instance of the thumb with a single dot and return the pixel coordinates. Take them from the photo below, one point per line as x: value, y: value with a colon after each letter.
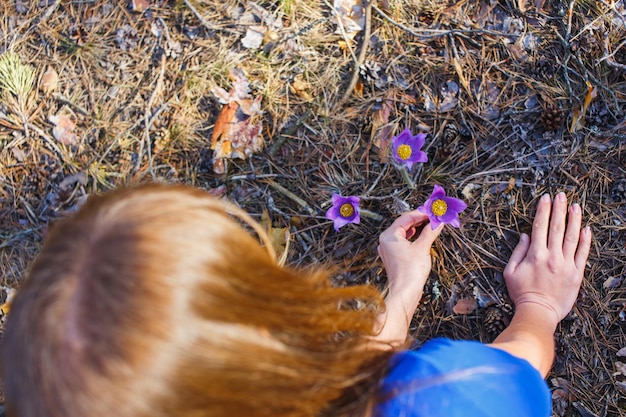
x: 428, y: 236
x: 519, y: 253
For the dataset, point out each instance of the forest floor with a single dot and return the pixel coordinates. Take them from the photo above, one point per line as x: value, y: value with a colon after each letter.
x: 517, y: 97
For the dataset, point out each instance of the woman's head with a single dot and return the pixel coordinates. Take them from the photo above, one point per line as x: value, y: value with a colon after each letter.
x: 157, y: 301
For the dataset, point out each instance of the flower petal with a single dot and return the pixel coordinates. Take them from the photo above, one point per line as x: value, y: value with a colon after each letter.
x: 418, y: 156
x: 434, y: 222
x: 455, y: 204
x: 418, y: 140
x: 404, y: 137
x: 337, y: 199
x: 455, y: 222
x: 438, y: 193
x: 340, y: 222
x: 332, y: 213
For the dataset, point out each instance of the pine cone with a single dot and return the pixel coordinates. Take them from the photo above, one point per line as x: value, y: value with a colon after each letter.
x: 552, y: 117
x: 543, y: 69
x: 497, y: 318
x: 427, y: 16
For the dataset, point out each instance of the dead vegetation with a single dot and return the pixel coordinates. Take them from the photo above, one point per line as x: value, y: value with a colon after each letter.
x: 517, y: 97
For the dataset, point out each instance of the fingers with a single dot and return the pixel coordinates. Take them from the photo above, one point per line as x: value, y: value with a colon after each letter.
x: 584, y: 246
x: 401, y: 227
x: 557, y: 222
x: 519, y: 253
x: 428, y: 236
x: 572, y: 234
x: 541, y: 223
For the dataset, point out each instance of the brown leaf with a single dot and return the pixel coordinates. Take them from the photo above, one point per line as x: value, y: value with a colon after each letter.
x: 464, y: 306
x: 139, y: 6
x: 63, y: 130
x: 237, y: 131
x: 382, y: 130
x: 224, y: 120
x: 49, y: 81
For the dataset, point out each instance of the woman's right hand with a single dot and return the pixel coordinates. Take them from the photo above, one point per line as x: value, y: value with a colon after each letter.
x: 546, y: 270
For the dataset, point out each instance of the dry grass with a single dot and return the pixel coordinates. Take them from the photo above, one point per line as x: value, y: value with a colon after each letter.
x: 138, y: 85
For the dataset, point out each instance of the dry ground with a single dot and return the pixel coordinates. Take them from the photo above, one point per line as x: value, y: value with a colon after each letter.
x: 489, y: 81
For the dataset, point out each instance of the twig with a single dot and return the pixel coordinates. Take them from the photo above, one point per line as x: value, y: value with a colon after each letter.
x: 609, y: 57
x: 65, y: 100
x: 145, y: 142
x: 291, y: 196
x: 362, y: 53
x: 204, y: 22
x: 435, y: 33
x: 342, y: 30
x: 290, y: 131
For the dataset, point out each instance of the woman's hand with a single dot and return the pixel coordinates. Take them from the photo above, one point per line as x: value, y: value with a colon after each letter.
x: 408, y: 265
x: 543, y: 278
x: 547, y: 269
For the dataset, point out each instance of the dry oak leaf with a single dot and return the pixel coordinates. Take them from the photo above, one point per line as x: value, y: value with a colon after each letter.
x: 237, y: 131
x: 63, y: 130
x: 49, y: 81
x: 464, y: 306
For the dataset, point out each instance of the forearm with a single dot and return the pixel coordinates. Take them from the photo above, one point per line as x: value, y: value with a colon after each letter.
x: 393, y: 324
x: 530, y: 336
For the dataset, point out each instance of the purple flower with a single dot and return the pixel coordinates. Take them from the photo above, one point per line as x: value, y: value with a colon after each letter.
x: 442, y: 209
x: 407, y: 148
x: 344, y: 210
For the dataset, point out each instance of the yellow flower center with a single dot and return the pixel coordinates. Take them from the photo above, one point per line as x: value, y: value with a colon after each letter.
x: 346, y: 210
x: 439, y: 207
x: 404, y: 152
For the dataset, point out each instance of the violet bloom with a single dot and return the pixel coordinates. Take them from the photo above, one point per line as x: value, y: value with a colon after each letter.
x: 407, y: 148
x: 344, y: 210
x: 442, y: 209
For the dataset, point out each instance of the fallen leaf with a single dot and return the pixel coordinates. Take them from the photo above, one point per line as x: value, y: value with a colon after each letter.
x: 237, y: 131
x: 464, y: 306
x: 468, y: 191
x: 579, y: 114
x: 351, y: 16
x: 254, y: 37
x: 300, y: 88
x: 63, y: 130
x: 612, y: 282
x: 382, y: 130
x: 139, y: 6
x: 279, y: 237
x: 49, y: 81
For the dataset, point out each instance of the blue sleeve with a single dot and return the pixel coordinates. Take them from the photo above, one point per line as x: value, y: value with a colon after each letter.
x: 446, y: 378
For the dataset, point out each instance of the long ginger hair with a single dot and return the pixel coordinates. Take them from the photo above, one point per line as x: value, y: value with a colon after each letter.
x: 157, y: 301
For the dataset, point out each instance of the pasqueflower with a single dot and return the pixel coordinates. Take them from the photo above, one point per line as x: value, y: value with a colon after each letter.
x: 442, y: 209
x: 344, y: 210
x: 407, y: 148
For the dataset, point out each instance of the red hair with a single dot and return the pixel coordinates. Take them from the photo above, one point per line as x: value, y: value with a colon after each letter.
x: 156, y: 302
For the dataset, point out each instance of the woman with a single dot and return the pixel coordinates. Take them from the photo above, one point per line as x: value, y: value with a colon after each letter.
x: 156, y: 301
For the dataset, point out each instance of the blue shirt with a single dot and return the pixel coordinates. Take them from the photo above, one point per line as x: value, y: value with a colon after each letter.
x: 446, y: 378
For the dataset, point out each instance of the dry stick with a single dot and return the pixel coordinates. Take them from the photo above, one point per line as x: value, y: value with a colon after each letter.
x: 341, y: 29
x: 435, y: 33
x: 145, y: 142
x: 204, y: 22
x: 362, y: 53
x: 290, y: 131
x: 291, y: 196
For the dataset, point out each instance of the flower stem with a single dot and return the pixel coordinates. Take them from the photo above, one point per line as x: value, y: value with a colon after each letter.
x: 370, y: 214
x: 407, y: 178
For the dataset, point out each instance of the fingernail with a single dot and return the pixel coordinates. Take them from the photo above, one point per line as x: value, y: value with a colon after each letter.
x: 545, y: 197
x: 523, y: 237
x: 561, y: 196
x: 575, y: 208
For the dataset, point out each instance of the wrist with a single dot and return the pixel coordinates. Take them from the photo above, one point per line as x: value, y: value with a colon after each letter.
x: 538, y: 314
